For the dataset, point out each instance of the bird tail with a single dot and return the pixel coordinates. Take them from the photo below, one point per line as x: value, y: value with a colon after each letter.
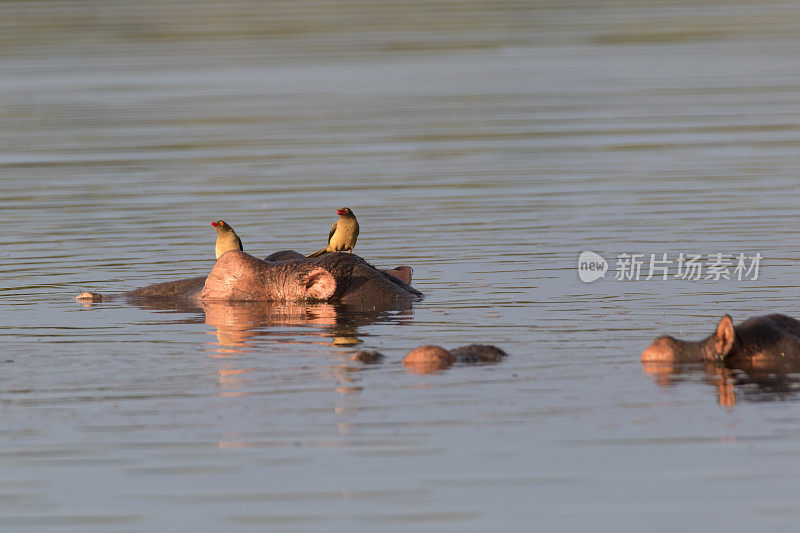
x: 318, y: 252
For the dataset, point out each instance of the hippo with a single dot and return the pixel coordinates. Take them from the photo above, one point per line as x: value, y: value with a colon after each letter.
x: 760, y: 356
x: 286, y: 276
x: 431, y: 358
x: 368, y: 357
x: 757, y: 339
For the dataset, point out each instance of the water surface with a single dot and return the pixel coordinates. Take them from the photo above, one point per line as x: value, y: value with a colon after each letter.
x: 486, y: 145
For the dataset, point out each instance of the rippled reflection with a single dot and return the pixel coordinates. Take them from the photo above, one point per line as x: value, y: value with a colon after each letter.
x: 239, y: 324
x: 754, y: 380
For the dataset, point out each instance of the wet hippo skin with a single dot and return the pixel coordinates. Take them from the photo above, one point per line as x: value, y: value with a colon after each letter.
x: 757, y: 359
x: 764, y: 338
x: 431, y: 358
x: 287, y: 276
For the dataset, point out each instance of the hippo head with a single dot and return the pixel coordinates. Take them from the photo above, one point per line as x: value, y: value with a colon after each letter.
x: 715, y: 347
x: 238, y: 276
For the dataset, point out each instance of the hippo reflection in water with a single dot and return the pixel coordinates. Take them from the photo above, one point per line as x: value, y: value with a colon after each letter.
x: 762, y: 351
x: 287, y: 276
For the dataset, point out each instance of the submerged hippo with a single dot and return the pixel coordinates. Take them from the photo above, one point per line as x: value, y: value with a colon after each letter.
x: 287, y: 276
x: 760, y: 338
x: 760, y: 357
x: 432, y: 358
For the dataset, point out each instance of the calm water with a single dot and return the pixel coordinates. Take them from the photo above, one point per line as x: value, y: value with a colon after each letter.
x: 486, y: 145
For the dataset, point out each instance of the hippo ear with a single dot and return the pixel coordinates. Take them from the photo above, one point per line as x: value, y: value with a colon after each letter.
x: 724, y: 337
x: 319, y: 284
